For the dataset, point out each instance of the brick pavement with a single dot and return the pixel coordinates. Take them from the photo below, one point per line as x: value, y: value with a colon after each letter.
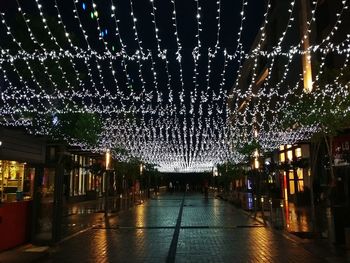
x: 210, y: 231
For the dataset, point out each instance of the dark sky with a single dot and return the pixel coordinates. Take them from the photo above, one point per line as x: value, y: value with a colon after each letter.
x: 192, y: 127
x: 187, y: 29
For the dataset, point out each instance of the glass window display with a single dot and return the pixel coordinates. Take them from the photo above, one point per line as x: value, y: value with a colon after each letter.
x: 16, y: 181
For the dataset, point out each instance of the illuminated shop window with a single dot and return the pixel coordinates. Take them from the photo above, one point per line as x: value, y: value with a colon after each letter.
x: 291, y: 175
x: 16, y: 181
x: 282, y: 157
x: 291, y: 182
x: 300, y: 186
x: 290, y: 155
x: 281, y: 147
x: 298, y: 152
x: 291, y: 187
x: 300, y: 182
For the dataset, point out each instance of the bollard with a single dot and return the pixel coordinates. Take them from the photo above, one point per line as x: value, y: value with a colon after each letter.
x: 255, y: 207
x: 262, y: 209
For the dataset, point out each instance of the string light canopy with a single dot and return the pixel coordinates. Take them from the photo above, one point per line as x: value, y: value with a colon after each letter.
x: 160, y: 75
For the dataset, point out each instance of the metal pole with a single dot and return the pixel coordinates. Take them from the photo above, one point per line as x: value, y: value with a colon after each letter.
x: 262, y: 209
x: 283, y: 215
x: 58, y: 203
x: 106, y: 193
x: 271, y: 211
x: 39, y: 172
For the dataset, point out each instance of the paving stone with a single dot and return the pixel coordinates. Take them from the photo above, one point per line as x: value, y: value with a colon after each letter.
x: 210, y: 231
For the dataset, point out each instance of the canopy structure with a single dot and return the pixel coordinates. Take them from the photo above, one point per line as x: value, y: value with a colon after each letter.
x: 167, y: 79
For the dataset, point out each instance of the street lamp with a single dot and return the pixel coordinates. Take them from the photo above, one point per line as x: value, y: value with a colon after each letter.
x: 108, y: 159
x: 141, y: 168
x: 141, y: 180
x: 107, y: 181
x: 256, y: 159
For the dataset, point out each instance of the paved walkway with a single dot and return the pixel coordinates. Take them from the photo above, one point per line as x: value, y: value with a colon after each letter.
x: 178, y: 228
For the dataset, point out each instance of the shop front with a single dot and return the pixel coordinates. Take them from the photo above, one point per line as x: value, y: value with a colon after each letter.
x: 340, y: 198
x: 20, y: 155
x: 295, y: 173
x: 83, y: 183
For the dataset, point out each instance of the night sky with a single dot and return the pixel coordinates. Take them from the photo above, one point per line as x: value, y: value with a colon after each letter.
x: 197, y: 123
x: 187, y: 29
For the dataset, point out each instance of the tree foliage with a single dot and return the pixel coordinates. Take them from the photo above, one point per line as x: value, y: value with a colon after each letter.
x: 249, y: 148
x: 81, y: 127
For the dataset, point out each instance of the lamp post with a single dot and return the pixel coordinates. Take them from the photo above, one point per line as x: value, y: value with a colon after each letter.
x: 141, y: 180
x: 108, y: 168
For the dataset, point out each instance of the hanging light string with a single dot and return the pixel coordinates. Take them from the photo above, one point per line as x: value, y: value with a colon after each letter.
x: 203, y: 131
x: 236, y: 92
x: 41, y: 47
x: 178, y: 56
x: 239, y: 48
x: 77, y: 49
x: 85, y: 36
x: 105, y: 45
x: 265, y: 100
x: 122, y: 45
x: 246, y: 112
x: 53, y: 38
x: 245, y: 96
x: 19, y: 45
x: 218, y: 18
x: 161, y: 53
x: 327, y: 39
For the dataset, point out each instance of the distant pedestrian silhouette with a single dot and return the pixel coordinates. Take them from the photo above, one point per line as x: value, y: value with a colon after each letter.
x: 170, y: 187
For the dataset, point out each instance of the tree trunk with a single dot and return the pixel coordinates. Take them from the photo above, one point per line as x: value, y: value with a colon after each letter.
x: 312, y: 175
x: 58, y: 197
x: 330, y: 157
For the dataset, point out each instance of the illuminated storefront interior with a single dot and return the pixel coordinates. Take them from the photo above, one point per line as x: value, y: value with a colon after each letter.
x: 295, y: 175
x: 16, y: 181
x: 81, y: 179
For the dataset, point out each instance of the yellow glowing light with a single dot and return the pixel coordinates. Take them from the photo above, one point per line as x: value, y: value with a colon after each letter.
x: 108, y: 159
x: 282, y: 158
x: 256, y: 164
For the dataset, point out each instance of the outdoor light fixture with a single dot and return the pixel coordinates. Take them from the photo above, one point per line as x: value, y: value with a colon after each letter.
x: 141, y: 169
x: 108, y: 160
x: 256, y: 163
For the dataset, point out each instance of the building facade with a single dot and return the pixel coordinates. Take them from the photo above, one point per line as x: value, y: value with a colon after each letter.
x: 21, y: 157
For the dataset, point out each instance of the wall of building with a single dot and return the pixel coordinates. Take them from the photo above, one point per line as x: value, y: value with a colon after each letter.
x: 20, y: 153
